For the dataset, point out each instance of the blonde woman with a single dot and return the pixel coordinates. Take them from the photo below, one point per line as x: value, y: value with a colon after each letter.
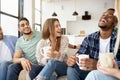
x: 56, y: 55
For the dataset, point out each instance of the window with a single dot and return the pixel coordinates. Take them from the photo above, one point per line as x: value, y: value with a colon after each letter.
x: 37, y: 15
x: 9, y: 6
x: 9, y: 25
x: 9, y: 17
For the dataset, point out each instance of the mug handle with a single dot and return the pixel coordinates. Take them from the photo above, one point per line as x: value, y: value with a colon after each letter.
x: 42, y: 53
x: 77, y: 60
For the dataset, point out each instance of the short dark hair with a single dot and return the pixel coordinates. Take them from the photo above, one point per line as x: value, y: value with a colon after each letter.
x: 23, y: 18
x: 111, y: 9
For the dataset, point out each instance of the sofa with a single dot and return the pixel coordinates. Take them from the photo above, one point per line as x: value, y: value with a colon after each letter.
x: 24, y: 75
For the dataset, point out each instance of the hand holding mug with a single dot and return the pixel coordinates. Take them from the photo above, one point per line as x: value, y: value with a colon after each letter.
x: 53, y: 54
x: 112, y: 71
x: 106, y: 59
x: 81, y: 61
x: 45, y: 51
x: 71, y: 61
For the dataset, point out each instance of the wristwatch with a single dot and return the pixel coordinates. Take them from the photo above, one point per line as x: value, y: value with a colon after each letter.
x: 74, y: 47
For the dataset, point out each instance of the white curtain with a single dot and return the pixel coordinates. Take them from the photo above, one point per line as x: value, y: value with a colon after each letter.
x: 117, y: 13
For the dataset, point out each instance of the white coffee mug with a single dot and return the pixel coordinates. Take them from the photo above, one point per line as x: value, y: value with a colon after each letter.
x: 106, y: 59
x: 81, y: 56
x: 45, y: 51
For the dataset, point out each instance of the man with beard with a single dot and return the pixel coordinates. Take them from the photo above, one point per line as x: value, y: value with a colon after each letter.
x: 102, y: 41
x: 24, y: 56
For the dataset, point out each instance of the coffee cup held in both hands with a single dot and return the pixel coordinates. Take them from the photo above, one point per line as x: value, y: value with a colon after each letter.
x: 45, y: 51
x: 81, y: 56
x: 106, y: 59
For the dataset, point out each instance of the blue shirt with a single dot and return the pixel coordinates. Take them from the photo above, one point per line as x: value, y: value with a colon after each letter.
x: 10, y: 41
x: 91, y: 46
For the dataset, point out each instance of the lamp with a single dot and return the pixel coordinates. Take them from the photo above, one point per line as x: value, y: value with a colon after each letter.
x: 75, y: 13
x: 54, y: 14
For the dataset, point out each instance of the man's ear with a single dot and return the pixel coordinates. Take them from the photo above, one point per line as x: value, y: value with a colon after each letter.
x: 115, y: 21
x: 19, y: 29
x: 115, y: 24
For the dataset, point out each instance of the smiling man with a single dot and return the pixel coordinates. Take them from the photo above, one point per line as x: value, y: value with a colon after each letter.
x: 24, y: 56
x: 102, y: 41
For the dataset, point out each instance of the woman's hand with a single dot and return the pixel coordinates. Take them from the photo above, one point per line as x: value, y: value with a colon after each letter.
x: 53, y: 54
x: 57, y: 54
x: 114, y: 71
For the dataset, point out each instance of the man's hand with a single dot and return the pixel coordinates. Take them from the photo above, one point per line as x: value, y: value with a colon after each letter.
x: 71, y: 61
x: 26, y: 64
x: 88, y: 64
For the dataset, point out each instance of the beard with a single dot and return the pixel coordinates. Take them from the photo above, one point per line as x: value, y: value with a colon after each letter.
x: 1, y: 36
x: 103, y: 27
x: 28, y: 33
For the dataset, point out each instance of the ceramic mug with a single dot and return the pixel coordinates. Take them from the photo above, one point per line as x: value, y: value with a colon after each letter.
x: 81, y: 56
x: 106, y: 59
x: 45, y: 51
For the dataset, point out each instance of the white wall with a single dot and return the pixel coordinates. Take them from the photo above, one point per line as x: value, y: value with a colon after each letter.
x: 65, y: 8
x: 95, y: 9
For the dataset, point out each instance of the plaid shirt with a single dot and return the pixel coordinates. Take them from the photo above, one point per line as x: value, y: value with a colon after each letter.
x: 91, y: 45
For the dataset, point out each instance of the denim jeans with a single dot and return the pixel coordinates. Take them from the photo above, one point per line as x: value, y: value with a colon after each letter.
x: 74, y: 73
x: 60, y: 68
x: 3, y: 69
x: 97, y: 75
x: 14, y: 70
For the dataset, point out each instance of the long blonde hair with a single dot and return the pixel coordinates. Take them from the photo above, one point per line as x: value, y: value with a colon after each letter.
x: 49, y: 28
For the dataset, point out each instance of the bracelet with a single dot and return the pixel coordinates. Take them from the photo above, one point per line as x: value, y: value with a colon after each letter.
x: 74, y: 47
